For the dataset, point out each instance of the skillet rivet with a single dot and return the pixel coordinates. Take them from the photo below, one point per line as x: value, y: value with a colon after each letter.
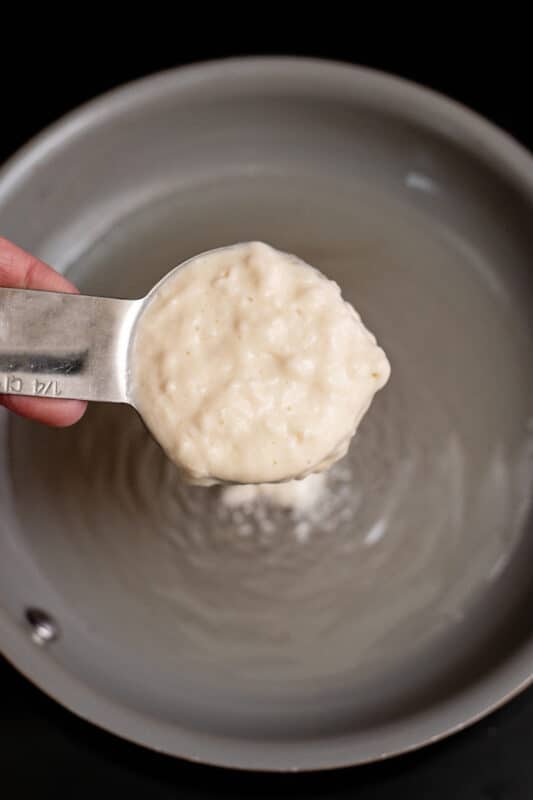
x: 44, y: 629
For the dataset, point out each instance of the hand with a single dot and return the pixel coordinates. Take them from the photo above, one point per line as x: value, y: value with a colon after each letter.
x: 20, y: 270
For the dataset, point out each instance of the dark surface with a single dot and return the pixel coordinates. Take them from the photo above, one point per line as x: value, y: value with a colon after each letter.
x: 44, y: 750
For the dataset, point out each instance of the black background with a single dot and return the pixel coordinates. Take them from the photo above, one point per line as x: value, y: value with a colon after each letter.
x: 47, y: 752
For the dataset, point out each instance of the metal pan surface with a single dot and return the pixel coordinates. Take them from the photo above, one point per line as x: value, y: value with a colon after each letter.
x: 397, y: 611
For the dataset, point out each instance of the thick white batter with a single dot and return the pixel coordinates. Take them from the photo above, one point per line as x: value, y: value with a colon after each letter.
x: 249, y: 367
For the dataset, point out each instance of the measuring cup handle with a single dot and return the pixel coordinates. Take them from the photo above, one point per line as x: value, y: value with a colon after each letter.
x: 64, y: 345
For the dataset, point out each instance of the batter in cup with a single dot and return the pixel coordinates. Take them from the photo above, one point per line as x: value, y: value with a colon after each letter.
x: 249, y: 367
